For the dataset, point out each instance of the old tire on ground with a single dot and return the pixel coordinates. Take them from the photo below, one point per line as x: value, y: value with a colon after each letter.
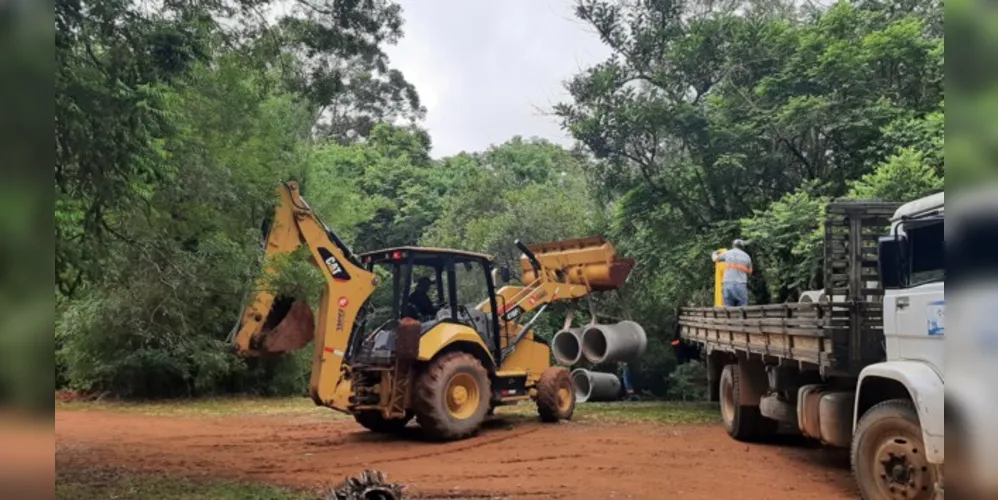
x: 555, y: 395
x: 744, y: 423
x: 374, y: 421
x: 888, y: 455
x: 452, y: 396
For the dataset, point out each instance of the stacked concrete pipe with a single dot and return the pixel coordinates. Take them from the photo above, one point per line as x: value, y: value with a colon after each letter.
x: 812, y: 296
x: 567, y: 346
x: 595, y: 386
x: 620, y: 342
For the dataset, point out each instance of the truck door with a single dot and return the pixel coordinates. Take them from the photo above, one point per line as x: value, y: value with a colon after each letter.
x: 919, y: 307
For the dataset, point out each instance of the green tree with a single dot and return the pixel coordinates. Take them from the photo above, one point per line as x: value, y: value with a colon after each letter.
x: 787, y: 240
x: 709, y: 121
x: 529, y: 190
x: 116, y: 60
x: 396, y: 186
x: 903, y: 177
x: 154, y: 322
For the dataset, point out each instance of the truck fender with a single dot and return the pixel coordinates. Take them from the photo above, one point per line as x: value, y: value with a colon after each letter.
x: 926, y: 389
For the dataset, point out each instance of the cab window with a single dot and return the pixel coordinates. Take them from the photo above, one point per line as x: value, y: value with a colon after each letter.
x: 925, y: 252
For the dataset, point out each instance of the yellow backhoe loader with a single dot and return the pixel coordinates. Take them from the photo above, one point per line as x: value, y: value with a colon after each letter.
x: 383, y: 355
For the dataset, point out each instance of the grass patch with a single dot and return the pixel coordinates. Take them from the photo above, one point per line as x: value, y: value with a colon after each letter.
x: 208, y: 407
x: 666, y: 412
x: 105, y: 484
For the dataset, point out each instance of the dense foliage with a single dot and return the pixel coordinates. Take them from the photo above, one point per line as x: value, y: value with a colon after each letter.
x: 731, y: 120
x: 704, y: 124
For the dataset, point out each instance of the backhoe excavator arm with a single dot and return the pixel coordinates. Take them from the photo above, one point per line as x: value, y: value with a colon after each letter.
x: 267, y: 326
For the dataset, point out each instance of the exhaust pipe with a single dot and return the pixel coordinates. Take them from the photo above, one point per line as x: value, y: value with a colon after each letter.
x: 595, y: 386
x: 567, y: 346
x: 620, y: 342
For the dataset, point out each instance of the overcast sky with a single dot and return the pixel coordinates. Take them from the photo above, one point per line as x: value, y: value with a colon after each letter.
x: 484, y: 69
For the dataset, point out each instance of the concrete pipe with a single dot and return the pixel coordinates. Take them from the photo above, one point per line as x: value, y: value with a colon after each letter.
x: 621, y: 342
x: 595, y: 386
x: 812, y: 296
x: 567, y: 346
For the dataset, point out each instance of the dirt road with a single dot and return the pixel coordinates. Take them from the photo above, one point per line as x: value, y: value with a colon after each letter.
x: 513, y: 457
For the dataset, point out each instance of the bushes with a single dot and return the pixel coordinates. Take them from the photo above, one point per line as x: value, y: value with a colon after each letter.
x: 688, y: 382
x: 108, y: 346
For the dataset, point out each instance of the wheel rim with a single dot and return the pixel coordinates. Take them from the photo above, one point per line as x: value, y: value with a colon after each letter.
x: 727, y: 401
x: 902, y: 470
x: 462, y: 396
x: 564, y: 399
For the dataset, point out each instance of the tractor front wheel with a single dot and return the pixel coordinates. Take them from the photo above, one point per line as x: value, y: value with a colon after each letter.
x: 452, y: 396
x: 555, y: 395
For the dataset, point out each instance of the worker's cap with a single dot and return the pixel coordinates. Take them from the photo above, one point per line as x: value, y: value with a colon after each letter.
x: 424, y: 281
x: 738, y: 243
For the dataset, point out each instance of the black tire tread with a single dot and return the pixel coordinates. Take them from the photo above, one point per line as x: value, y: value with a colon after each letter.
x: 749, y: 424
x: 427, y: 400
x: 901, y: 408
x: 547, y: 394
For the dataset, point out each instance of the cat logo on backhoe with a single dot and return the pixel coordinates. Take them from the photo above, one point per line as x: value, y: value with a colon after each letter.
x: 339, y: 274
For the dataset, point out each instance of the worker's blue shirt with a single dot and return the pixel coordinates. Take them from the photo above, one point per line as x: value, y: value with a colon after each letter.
x: 738, y: 266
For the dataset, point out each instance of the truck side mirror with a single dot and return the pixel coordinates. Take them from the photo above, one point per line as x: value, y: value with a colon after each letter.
x: 889, y: 261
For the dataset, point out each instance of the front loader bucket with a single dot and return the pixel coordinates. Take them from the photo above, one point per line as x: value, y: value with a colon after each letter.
x: 289, y: 326
x: 589, y: 261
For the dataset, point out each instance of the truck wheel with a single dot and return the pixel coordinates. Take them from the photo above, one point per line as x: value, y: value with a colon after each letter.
x: 888, y: 456
x: 374, y: 421
x: 555, y: 395
x: 743, y: 423
x: 452, y: 396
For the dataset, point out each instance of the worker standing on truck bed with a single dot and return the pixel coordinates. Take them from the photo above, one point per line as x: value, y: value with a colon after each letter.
x: 738, y: 266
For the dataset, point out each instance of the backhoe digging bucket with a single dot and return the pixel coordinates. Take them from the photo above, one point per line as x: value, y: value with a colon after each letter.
x: 589, y: 261
x: 289, y: 326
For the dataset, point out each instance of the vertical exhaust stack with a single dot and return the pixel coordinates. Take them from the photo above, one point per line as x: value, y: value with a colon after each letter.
x: 595, y: 386
x: 620, y: 342
x: 567, y: 346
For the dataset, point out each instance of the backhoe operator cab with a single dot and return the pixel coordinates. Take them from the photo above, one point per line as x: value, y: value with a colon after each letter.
x: 454, y: 279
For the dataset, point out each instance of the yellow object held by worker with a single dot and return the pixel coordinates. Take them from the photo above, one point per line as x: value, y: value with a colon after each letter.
x: 719, y: 268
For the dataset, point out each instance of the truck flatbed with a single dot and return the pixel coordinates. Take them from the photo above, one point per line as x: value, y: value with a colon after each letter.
x: 795, y: 332
x: 838, y: 335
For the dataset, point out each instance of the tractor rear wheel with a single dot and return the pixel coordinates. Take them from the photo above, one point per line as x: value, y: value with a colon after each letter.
x: 374, y: 421
x: 452, y: 396
x: 555, y: 395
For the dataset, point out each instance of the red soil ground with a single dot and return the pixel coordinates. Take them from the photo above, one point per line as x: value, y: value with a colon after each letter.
x: 512, y: 457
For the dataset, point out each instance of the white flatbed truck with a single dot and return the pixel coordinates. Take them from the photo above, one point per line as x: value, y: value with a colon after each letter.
x: 857, y: 365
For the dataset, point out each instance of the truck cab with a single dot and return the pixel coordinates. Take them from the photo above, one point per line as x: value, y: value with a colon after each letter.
x: 905, y: 393
x: 913, y: 272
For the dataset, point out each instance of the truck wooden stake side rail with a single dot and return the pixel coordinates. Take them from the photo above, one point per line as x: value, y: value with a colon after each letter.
x: 858, y: 364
